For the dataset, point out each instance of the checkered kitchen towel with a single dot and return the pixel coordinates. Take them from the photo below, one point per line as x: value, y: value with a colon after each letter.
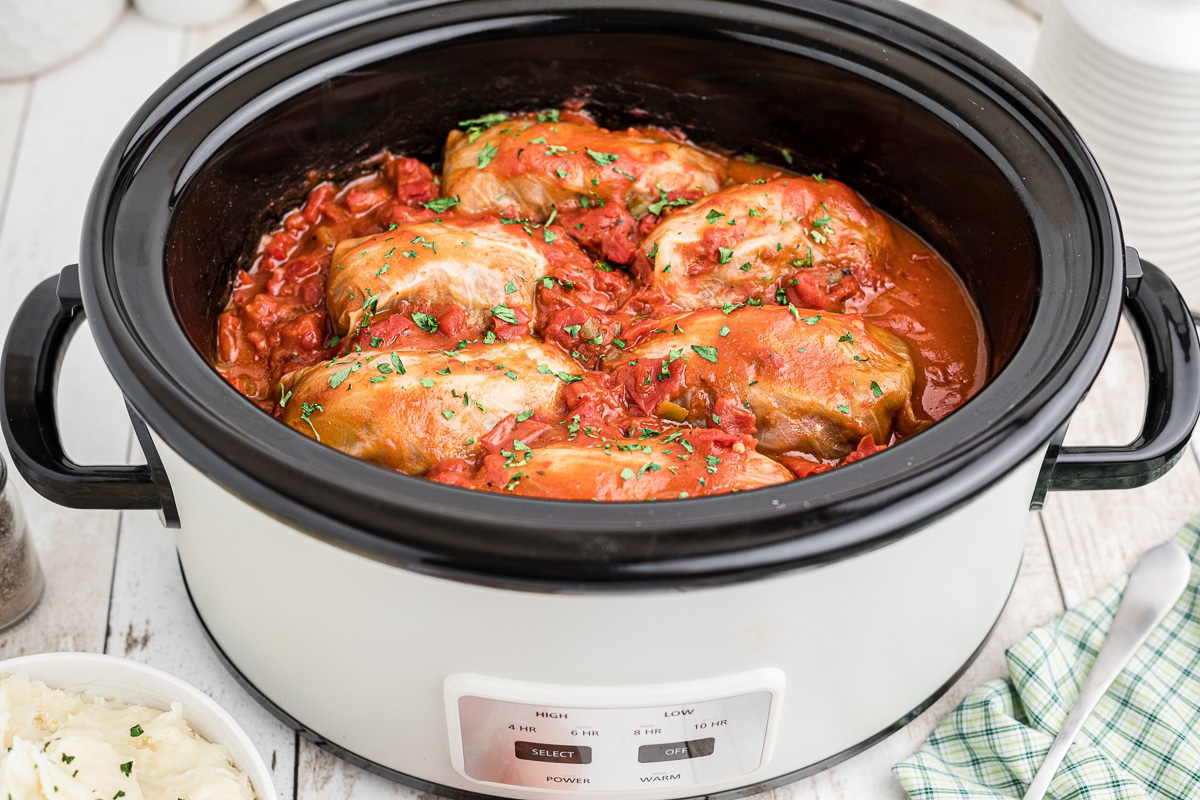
x: 1142, y: 741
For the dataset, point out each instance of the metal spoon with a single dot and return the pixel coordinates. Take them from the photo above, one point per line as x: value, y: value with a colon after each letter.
x: 1155, y: 584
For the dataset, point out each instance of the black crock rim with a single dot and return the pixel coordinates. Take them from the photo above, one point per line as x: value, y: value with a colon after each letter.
x: 502, y: 540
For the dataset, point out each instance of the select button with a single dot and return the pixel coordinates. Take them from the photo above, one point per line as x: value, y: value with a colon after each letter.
x: 554, y: 753
x: 675, y: 751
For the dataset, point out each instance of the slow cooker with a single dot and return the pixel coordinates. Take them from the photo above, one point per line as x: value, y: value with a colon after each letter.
x: 475, y: 644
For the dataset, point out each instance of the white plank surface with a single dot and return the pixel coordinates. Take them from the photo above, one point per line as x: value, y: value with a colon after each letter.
x: 114, y: 582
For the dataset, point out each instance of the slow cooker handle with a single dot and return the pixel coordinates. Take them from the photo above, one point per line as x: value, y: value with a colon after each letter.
x: 30, y: 365
x: 1166, y: 335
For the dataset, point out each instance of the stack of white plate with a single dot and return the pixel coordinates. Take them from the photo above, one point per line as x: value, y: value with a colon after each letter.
x: 1127, y: 75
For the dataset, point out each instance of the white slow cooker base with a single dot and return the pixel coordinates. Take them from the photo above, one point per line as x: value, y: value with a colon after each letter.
x: 458, y: 794
x: 355, y: 652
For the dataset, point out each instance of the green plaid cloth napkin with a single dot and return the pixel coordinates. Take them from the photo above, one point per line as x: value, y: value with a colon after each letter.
x: 1142, y: 741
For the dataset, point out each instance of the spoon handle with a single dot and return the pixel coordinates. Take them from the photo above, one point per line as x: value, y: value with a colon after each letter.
x: 1154, y: 586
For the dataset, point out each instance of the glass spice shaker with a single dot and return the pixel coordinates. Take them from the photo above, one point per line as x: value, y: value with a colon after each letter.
x: 21, y: 580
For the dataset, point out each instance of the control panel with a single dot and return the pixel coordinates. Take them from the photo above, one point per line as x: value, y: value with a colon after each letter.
x: 609, y: 738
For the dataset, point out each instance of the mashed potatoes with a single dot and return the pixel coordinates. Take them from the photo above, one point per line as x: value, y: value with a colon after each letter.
x: 66, y: 746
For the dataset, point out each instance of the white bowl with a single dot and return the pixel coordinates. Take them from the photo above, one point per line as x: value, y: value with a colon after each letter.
x: 138, y: 684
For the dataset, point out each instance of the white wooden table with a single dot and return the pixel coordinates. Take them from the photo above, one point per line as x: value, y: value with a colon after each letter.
x: 113, y: 582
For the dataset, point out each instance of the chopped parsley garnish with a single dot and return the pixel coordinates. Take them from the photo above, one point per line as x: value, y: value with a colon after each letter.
x: 875, y: 390
x: 845, y: 409
x: 486, y: 121
x: 68, y: 759
x: 428, y: 383
x: 425, y: 322
x: 627, y: 474
x: 486, y: 155
x: 397, y: 364
x: 706, y: 352
x: 441, y: 205
x: 603, y: 159
x: 726, y: 254
x: 713, y: 215
x: 339, y: 377
x: 505, y: 314
x: 509, y: 287
x: 548, y: 116
x: 847, y: 337
x: 127, y: 768
x: 812, y: 320
x: 724, y: 330
x: 663, y: 202
x: 787, y: 155
x: 820, y: 178
x: 134, y: 732
x: 524, y: 415
x: 561, y: 173
x: 745, y: 267
x: 447, y: 413
x: 306, y: 411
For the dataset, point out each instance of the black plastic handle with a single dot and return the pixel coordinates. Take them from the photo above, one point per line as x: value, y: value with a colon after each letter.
x: 1166, y: 335
x: 30, y: 365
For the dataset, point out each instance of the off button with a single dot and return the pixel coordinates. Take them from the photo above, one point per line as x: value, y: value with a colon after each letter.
x: 675, y: 751
x: 554, y: 753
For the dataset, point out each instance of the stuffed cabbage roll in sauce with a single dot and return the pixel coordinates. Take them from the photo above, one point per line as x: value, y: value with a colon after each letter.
x: 566, y: 167
x: 579, y: 312
x: 814, y: 239
x: 479, y: 265
x: 408, y: 410
x: 803, y: 381
x: 670, y: 466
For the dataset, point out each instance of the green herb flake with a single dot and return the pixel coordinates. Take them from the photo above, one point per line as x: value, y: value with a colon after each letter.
x: 726, y: 254
x: 339, y: 377
x: 127, y: 768
x: 787, y: 155
x: 745, y: 267
x: 724, y: 330
x: 447, y: 413
x: 820, y: 178
x: 134, y: 732
x: 428, y: 383
x: 486, y: 155
x: 812, y: 320
x: 713, y: 215
x: 397, y: 364
x: 706, y: 352
x: 627, y: 474
x: 510, y: 287
x: 441, y: 205
x: 561, y: 173
x: 524, y: 415
x: 68, y: 759
x: 505, y: 314
x: 875, y: 390
x: 847, y: 337
x: 603, y: 159
x: 425, y: 322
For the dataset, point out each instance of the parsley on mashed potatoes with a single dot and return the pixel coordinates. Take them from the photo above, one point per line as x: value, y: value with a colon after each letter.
x: 69, y: 746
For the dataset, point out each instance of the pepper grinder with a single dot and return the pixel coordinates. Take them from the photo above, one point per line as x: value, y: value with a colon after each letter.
x: 21, y: 580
